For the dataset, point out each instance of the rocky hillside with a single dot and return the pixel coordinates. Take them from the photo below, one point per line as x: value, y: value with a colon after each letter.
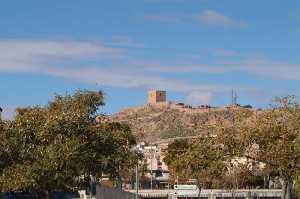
x: 155, y: 122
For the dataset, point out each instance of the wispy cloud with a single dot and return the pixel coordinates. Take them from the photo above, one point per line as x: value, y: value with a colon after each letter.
x: 55, y: 48
x: 171, y: 1
x: 212, y: 17
x: 256, y: 65
x: 51, y: 58
x: 112, y: 66
x: 34, y: 55
x: 196, y: 98
x: 124, y: 41
x: 184, y: 68
x: 206, y: 17
x: 265, y: 67
x: 122, y: 79
x: 224, y: 52
x: 166, y: 18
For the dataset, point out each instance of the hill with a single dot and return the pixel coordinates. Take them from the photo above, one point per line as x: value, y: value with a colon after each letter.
x: 168, y: 120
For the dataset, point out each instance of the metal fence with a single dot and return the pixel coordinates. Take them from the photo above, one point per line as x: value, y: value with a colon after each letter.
x: 103, y: 192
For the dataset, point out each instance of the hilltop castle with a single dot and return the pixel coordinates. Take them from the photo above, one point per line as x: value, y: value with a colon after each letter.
x: 157, y: 96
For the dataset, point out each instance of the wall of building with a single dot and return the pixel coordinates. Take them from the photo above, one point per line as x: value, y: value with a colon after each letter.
x: 156, y: 96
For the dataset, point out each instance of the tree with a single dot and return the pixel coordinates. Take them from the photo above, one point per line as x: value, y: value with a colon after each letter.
x: 201, y: 159
x: 205, y: 159
x: 242, y: 175
x: 271, y: 138
x: 59, y: 147
x: 297, y: 186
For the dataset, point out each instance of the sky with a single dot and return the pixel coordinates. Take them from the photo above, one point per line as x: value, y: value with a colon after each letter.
x: 196, y: 50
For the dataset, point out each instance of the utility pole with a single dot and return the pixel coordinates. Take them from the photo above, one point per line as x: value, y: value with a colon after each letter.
x: 91, y: 186
x: 135, y: 149
x: 151, y: 173
x: 137, y: 181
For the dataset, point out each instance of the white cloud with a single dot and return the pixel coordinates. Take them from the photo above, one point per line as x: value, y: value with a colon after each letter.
x: 168, y: 1
x: 51, y: 58
x: 165, y: 18
x: 199, y: 97
x: 256, y: 65
x: 224, y: 52
x: 265, y: 67
x: 207, y: 17
x: 34, y: 55
x: 124, y: 41
x: 27, y: 48
x: 184, y: 68
x: 118, y: 78
x: 211, y: 17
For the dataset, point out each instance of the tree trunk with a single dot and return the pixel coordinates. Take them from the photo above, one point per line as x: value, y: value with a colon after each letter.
x: 44, y: 195
x: 287, y: 188
x: 119, y: 182
x: 199, y: 187
x: 47, y: 195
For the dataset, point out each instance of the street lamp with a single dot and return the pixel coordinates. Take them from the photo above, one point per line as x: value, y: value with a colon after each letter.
x: 137, y: 181
x: 135, y: 149
x: 151, y: 173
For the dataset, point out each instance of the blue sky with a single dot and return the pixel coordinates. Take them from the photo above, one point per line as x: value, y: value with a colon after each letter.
x: 197, y: 50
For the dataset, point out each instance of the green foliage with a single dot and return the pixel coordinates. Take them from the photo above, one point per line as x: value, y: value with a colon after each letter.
x: 201, y: 159
x: 57, y: 147
x: 270, y: 140
x: 242, y: 176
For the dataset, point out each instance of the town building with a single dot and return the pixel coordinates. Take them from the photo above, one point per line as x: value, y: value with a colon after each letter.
x: 158, y: 172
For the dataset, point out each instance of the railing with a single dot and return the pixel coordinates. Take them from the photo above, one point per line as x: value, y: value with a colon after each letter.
x: 209, y: 193
x: 223, y: 193
x: 154, y: 193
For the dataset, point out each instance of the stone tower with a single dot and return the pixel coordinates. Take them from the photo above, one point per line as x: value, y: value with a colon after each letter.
x: 156, y: 96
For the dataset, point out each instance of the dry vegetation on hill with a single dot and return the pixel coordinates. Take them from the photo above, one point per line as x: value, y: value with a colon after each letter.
x: 152, y: 123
